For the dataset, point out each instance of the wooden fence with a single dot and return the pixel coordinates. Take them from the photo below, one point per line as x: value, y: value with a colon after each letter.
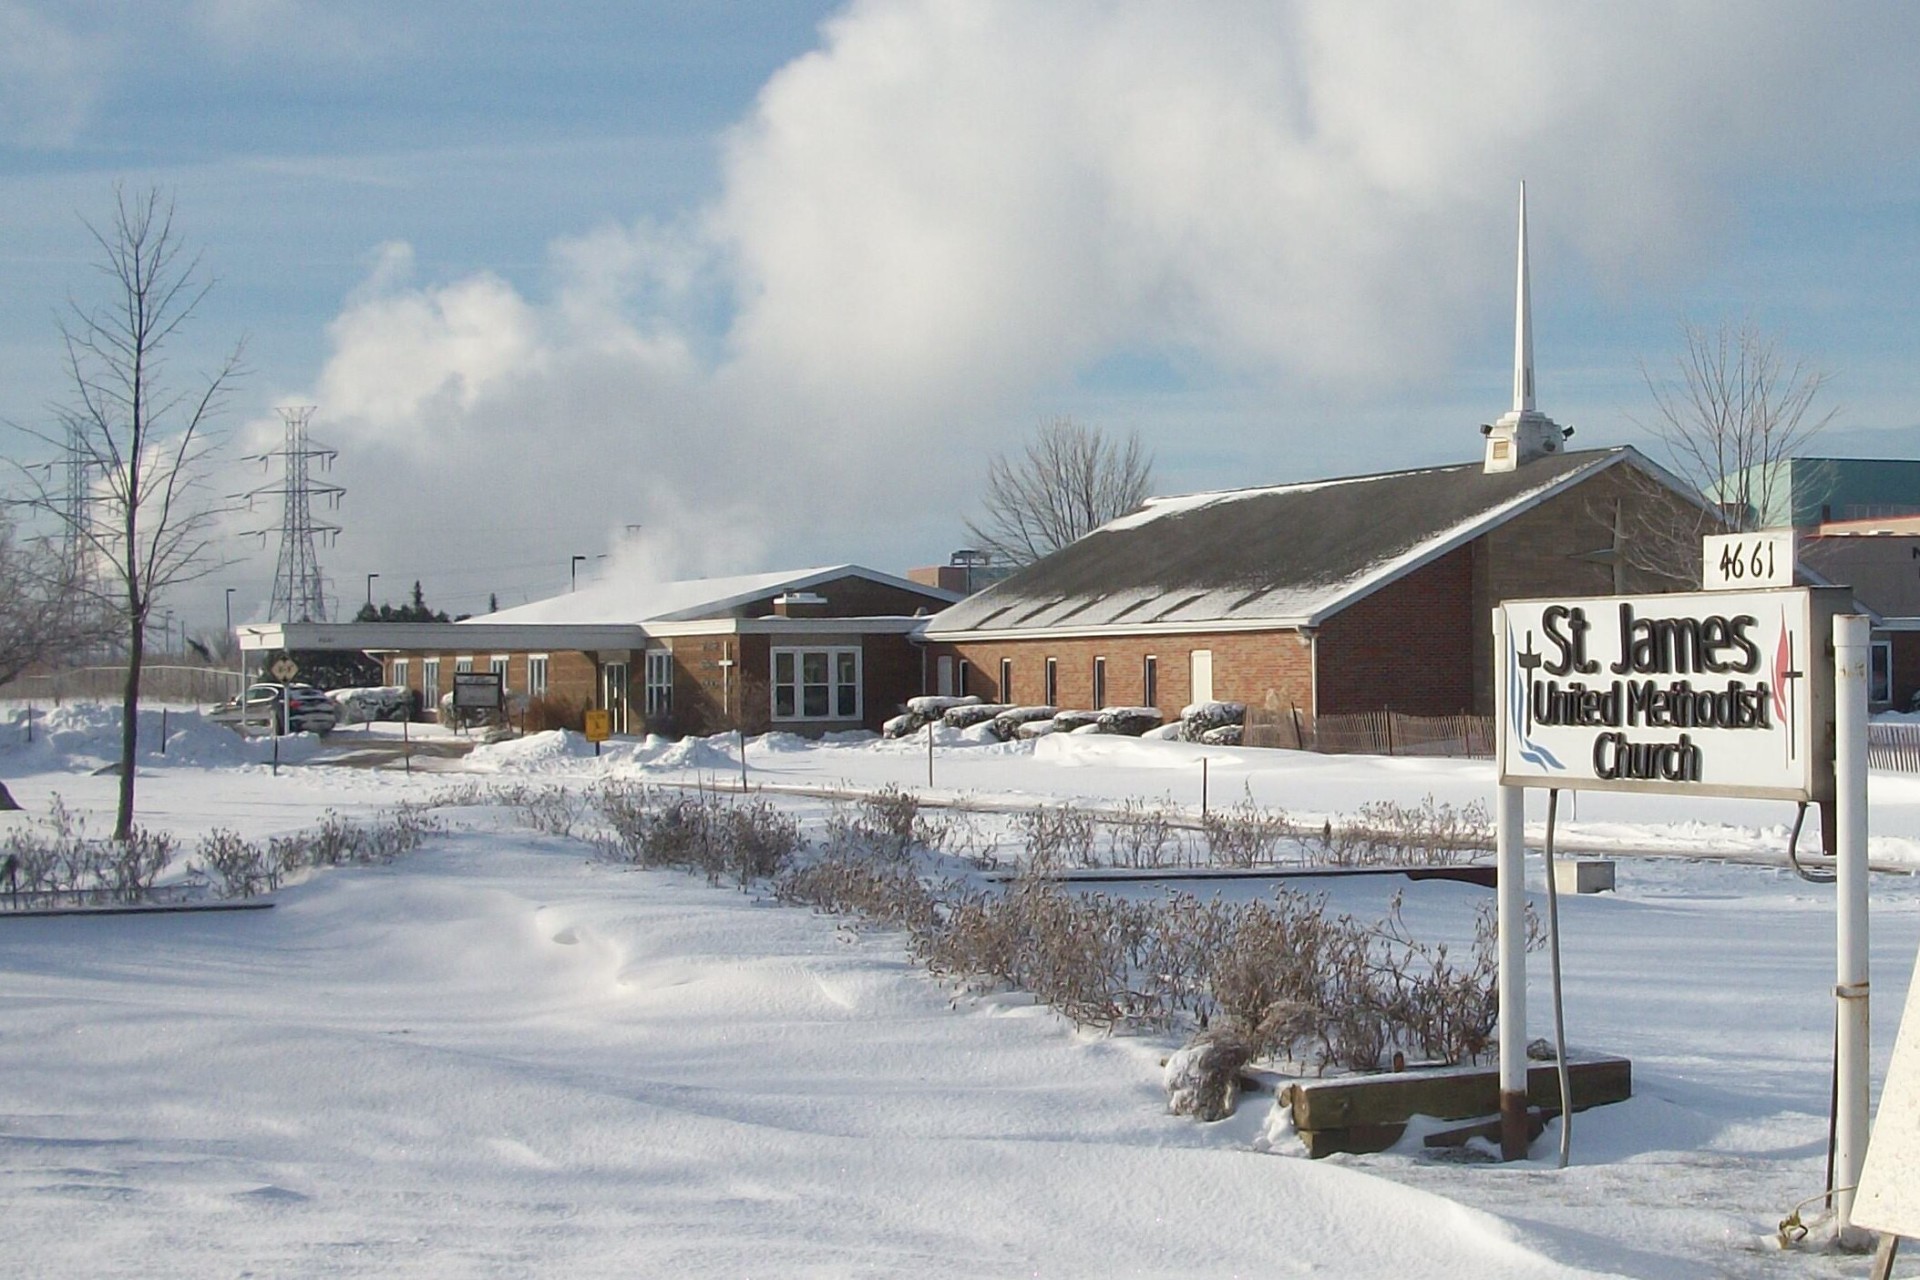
x: 1894, y: 746
x: 1380, y: 733
x: 159, y: 682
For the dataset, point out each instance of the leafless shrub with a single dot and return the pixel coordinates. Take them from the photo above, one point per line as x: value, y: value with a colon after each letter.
x: 1386, y: 832
x: 884, y: 893
x: 57, y: 855
x: 706, y: 832
x: 1143, y: 835
x: 1057, y: 836
x: 551, y: 810
x: 1244, y: 835
x: 550, y: 711
x: 242, y: 865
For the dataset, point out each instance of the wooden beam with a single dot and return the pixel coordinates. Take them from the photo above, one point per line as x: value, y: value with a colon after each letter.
x: 1449, y: 1093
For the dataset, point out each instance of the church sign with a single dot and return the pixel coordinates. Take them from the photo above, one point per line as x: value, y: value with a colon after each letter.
x: 1710, y: 693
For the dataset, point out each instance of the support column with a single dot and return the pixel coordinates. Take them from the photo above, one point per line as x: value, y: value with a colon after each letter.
x: 1510, y: 863
x: 1852, y: 662
x: 1511, y: 860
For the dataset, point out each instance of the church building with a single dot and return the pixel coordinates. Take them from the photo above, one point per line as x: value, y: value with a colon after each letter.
x: 1354, y: 594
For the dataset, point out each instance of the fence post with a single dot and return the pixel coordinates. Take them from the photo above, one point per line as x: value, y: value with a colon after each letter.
x: 1203, y: 788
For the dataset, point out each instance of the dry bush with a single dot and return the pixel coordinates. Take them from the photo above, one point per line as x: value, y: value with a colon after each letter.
x: 1245, y: 835
x: 242, y: 865
x: 711, y: 833
x: 1387, y: 833
x: 1143, y: 835
x: 340, y: 842
x: 551, y: 810
x: 1057, y: 836
x: 57, y: 855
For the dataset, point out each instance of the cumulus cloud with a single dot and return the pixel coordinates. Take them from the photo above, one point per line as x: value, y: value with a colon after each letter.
x: 948, y: 209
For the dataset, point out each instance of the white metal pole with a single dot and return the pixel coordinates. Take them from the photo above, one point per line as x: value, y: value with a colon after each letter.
x: 1851, y: 661
x: 1510, y: 856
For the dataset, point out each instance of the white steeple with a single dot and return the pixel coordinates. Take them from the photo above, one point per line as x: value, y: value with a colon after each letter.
x: 1522, y: 434
x: 1523, y: 323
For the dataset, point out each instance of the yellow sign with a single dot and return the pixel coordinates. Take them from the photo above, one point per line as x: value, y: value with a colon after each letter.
x: 599, y: 726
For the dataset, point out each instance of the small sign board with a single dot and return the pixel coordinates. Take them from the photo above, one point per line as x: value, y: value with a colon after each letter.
x: 599, y: 726
x: 1704, y: 693
x: 284, y: 669
x: 477, y: 691
x: 1745, y: 561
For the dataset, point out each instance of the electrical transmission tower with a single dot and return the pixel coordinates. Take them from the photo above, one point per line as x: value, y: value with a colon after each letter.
x: 299, y: 588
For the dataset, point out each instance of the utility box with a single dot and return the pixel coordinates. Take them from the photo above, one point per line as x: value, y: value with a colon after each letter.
x: 1583, y: 875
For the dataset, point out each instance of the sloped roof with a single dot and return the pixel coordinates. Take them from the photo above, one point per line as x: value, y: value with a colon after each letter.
x: 1287, y: 555
x: 621, y: 600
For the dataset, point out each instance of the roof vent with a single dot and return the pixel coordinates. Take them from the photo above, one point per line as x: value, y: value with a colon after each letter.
x: 799, y: 604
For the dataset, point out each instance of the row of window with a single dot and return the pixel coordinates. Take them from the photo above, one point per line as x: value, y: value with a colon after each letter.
x: 1050, y: 686
x: 806, y: 684
x: 430, y: 672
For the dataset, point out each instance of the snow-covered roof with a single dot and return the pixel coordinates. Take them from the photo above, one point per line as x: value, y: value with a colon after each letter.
x: 1285, y: 555
x: 623, y: 600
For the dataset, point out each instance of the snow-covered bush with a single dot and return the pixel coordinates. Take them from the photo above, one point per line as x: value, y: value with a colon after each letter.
x: 1006, y: 725
x: 977, y: 713
x: 1226, y: 735
x: 1197, y: 719
x: 1034, y: 729
x: 1068, y: 721
x: 931, y: 705
x: 1129, y: 722
x: 904, y: 725
x: 1203, y: 1077
x: 704, y: 832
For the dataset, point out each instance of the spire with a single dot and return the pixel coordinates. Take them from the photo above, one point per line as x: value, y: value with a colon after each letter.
x: 1522, y: 433
x: 1523, y: 323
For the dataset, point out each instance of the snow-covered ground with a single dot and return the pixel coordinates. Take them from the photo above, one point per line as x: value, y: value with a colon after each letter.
x: 501, y: 1057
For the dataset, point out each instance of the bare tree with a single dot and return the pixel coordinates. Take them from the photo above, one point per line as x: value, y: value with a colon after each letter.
x: 1068, y: 481
x: 44, y: 621
x: 1733, y: 409
x: 147, y: 525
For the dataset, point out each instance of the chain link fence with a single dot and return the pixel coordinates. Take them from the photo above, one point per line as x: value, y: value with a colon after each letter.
x: 159, y: 682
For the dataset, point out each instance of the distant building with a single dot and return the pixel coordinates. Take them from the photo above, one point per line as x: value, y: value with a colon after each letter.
x: 1805, y: 492
x: 806, y: 651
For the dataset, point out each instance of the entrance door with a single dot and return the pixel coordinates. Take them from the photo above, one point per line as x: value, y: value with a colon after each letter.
x: 613, y: 694
x: 1200, y: 671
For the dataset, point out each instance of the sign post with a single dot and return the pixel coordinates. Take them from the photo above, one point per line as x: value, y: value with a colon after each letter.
x: 598, y: 728
x: 1737, y: 692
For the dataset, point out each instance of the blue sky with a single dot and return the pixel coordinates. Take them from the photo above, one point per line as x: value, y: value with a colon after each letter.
x: 773, y: 281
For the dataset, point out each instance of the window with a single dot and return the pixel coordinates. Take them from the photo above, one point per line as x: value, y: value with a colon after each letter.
x: 613, y: 694
x: 498, y: 665
x: 1880, y: 683
x: 1006, y: 679
x: 400, y: 672
x: 536, y: 675
x: 816, y: 684
x: 1150, y: 681
x: 430, y: 678
x: 1099, y: 683
x: 462, y: 665
x: 659, y: 682
x: 1052, y: 696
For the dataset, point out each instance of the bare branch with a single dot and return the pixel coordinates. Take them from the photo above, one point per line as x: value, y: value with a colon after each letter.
x: 1069, y: 480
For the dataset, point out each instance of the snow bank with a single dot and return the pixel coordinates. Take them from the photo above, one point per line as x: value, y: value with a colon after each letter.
x: 85, y: 736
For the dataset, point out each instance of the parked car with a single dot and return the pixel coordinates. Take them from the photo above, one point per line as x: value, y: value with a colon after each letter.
x: 295, y: 708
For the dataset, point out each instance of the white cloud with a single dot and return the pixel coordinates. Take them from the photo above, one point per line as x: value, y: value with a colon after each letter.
x: 50, y: 77
x: 950, y: 210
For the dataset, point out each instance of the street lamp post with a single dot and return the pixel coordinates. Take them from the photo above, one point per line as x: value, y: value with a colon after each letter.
x: 573, y: 573
x: 229, y: 610
x: 370, y: 578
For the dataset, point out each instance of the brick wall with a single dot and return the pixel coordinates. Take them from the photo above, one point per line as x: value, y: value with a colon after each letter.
x: 1408, y: 647
x: 1255, y: 667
